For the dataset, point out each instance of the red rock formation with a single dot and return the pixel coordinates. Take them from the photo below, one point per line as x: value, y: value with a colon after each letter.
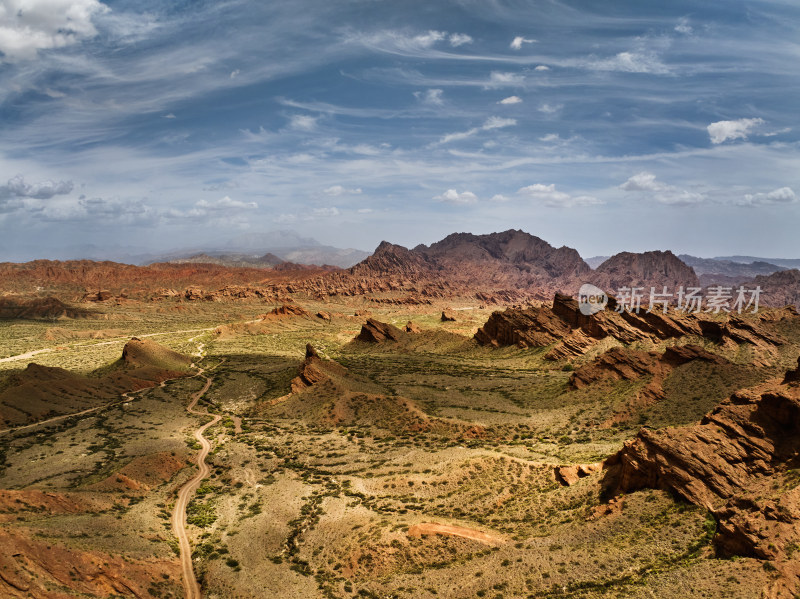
x: 731, y: 463
x: 412, y: 328
x: 286, y: 311
x: 569, y: 475
x: 314, y: 370
x: 374, y: 331
x: 448, y: 315
x: 564, y: 323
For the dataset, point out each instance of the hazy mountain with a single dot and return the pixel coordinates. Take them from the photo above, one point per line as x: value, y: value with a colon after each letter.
x: 730, y: 268
x: 785, y: 262
x: 250, y: 249
x: 596, y: 261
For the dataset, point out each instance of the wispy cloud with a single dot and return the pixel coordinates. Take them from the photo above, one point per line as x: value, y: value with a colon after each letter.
x: 511, y: 100
x: 338, y: 190
x: 550, y: 196
x: 303, y: 122
x: 493, y: 122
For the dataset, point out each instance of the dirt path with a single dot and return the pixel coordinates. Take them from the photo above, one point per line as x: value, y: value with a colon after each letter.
x: 432, y: 528
x: 26, y: 355
x: 190, y: 584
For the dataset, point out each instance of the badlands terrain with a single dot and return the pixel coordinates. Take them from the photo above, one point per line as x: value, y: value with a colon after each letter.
x: 439, y: 421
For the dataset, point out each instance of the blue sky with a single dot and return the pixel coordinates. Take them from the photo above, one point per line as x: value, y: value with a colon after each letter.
x: 603, y: 126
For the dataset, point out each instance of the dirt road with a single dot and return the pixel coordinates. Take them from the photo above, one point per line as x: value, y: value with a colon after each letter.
x: 190, y: 584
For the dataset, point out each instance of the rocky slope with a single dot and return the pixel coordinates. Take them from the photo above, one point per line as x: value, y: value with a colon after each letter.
x: 40, y: 392
x: 738, y: 462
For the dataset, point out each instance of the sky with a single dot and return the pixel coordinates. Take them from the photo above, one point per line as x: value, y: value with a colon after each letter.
x: 603, y: 126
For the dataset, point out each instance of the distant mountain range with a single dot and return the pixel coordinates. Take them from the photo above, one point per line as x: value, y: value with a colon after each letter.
x: 498, y: 268
x: 243, y: 250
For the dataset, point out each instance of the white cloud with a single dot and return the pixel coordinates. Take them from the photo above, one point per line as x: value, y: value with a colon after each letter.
x: 459, y: 39
x: 511, y: 100
x: 27, y: 26
x: 225, y: 203
x: 647, y: 185
x: 303, y: 122
x: 498, y: 198
x: 503, y: 79
x: 364, y: 210
x: 516, y: 43
x: 451, y: 196
x: 550, y: 196
x: 643, y: 181
x: 430, y: 96
x: 550, y: 137
x: 724, y: 130
x: 542, y: 67
x: 550, y: 108
x: 782, y: 195
x: 493, y: 122
x: 426, y: 40
x: 170, y: 116
x: 16, y: 187
x: 683, y: 26
x: 235, y: 73
x: 338, y: 190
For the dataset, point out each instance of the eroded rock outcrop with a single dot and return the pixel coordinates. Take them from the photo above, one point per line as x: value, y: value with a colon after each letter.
x: 733, y: 463
x: 412, y: 328
x: 286, y: 311
x: 448, y: 315
x: 575, y: 333
x: 314, y: 370
x: 374, y: 331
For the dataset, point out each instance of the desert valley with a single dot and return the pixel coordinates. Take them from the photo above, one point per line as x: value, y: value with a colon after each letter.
x: 361, y: 299
x: 442, y: 421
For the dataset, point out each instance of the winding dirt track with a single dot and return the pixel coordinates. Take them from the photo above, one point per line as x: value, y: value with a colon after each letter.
x: 190, y: 584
